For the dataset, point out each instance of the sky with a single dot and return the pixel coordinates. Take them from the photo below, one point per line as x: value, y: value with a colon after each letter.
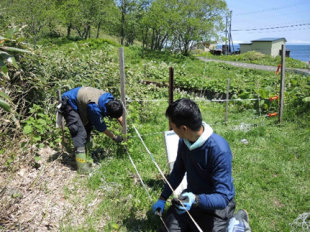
x: 255, y: 19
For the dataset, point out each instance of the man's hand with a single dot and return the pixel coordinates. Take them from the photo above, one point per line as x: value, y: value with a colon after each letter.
x: 187, y: 199
x: 160, y: 204
x: 118, y: 139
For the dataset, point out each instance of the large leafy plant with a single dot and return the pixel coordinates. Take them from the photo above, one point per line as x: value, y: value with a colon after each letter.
x: 10, y: 44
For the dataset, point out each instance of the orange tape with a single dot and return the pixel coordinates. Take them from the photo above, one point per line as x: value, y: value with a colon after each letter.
x: 274, y: 98
x: 279, y: 66
x: 273, y: 114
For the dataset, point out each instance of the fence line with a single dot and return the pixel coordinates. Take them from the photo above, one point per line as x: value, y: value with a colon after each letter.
x: 206, y: 100
x: 211, y: 124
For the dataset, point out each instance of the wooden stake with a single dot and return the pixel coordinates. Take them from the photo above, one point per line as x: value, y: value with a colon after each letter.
x: 282, y: 83
x: 227, y: 98
x: 123, y: 92
x: 170, y: 88
x: 62, y: 123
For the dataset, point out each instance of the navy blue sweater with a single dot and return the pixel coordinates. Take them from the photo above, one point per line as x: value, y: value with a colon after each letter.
x: 208, y: 170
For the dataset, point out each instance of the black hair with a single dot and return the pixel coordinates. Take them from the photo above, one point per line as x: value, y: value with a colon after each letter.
x: 114, y: 109
x: 185, y: 112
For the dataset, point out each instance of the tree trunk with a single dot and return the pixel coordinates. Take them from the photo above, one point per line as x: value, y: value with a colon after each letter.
x: 153, y: 38
x: 98, y: 29
x: 123, y: 28
x: 69, y: 30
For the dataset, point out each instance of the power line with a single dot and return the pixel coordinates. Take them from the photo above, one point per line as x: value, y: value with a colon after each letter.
x: 294, y: 29
x: 276, y: 8
x: 280, y: 14
x: 270, y: 28
x: 280, y: 24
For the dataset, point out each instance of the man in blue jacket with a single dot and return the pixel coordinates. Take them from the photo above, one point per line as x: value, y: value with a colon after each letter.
x: 84, y: 108
x: 207, y: 159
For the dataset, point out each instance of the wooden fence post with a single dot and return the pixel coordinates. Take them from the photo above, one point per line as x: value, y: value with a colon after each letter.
x: 227, y: 98
x: 144, y: 70
x: 62, y: 123
x: 123, y: 92
x: 282, y: 83
x: 170, y: 88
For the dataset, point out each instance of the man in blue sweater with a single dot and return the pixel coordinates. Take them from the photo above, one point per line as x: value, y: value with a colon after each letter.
x: 207, y: 159
x: 84, y: 108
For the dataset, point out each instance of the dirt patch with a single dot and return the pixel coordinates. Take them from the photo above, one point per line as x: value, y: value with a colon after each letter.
x: 33, y: 198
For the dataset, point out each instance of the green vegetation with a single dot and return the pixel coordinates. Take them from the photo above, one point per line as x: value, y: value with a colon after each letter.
x: 155, y: 24
x: 258, y: 58
x: 270, y: 172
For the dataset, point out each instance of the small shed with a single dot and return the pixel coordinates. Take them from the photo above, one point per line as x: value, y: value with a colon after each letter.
x: 205, y: 46
x: 268, y: 46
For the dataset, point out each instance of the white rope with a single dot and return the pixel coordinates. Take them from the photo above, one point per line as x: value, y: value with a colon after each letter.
x: 133, y: 164
x: 204, y: 100
x: 154, y: 100
x: 301, y: 223
x: 162, y: 174
x: 217, y: 123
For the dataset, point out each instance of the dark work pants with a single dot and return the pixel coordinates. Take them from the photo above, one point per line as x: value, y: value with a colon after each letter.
x: 208, y: 221
x: 80, y: 134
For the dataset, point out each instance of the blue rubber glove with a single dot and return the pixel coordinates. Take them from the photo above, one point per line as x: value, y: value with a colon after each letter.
x: 160, y: 204
x: 187, y: 199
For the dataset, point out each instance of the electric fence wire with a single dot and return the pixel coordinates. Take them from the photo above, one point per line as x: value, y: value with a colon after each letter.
x: 275, y: 27
x: 133, y: 164
x: 278, y: 24
x: 211, y: 124
x: 205, y: 100
x: 254, y: 32
x: 275, y: 8
x: 162, y: 174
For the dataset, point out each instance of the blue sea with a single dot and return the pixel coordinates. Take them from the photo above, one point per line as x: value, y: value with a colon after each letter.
x: 298, y: 52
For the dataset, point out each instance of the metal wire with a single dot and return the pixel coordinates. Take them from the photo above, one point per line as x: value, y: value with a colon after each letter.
x: 162, y: 174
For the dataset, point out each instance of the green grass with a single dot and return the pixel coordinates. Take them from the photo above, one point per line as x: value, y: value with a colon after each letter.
x: 270, y: 173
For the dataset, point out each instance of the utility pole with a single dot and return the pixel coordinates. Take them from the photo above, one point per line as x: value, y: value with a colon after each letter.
x: 226, y: 36
x: 230, y: 37
x: 229, y: 50
x: 232, y: 42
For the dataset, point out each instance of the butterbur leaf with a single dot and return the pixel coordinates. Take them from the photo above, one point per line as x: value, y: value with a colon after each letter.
x: 306, y: 99
x: 37, y: 138
x: 27, y: 129
x: 113, y: 226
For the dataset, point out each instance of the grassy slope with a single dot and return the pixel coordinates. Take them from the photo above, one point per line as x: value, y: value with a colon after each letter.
x: 270, y: 173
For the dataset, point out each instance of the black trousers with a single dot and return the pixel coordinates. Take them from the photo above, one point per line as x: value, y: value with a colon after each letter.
x: 80, y: 134
x: 208, y: 220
